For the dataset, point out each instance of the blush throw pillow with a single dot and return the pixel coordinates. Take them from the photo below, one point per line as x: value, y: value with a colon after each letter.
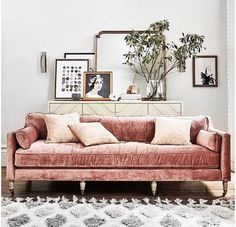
x: 172, y: 131
x: 210, y: 140
x: 92, y: 133
x: 26, y: 136
x: 57, y: 127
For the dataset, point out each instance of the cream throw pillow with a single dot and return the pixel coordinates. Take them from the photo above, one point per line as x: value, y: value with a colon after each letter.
x: 92, y: 133
x: 57, y: 127
x: 172, y: 131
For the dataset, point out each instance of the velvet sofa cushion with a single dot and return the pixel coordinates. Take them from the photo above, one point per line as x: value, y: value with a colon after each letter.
x: 57, y: 127
x: 139, y: 129
x: 122, y: 155
x: 210, y: 140
x: 37, y: 120
x: 172, y: 131
x: 92, y: 133
x: 26, y: 136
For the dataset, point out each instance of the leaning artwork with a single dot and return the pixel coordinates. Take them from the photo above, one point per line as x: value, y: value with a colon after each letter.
x: 97, y: 85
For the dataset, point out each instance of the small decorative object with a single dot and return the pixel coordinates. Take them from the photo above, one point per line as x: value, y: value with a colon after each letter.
x: 97, y: 85
x: 151, y: 57
x: 76, y: 96
x: 113, y: 97
x: 133, y: 89
x: 89, y: 56
x: 205, y: 71
x: 43, y: 62
x: 69, y: 77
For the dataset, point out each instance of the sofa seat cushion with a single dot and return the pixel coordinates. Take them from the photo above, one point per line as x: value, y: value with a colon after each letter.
x: 122, y: 155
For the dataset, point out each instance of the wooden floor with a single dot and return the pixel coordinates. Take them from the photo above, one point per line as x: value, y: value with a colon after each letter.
x: 201, y: 189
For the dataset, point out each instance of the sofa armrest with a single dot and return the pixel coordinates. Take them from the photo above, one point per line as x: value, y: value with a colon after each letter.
x: 225, y: 162
x: 12, y: 146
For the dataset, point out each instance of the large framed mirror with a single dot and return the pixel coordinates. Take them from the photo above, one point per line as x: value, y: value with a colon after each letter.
x: 110, y: 47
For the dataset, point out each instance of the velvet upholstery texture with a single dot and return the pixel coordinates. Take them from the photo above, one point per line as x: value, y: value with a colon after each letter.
x: 128, y: 127
x: 210, y: 140
x: 12, y: 146
x: 141, y: 129
x: 37, y: 120
x: 119, y: 174
x: 26, y: 136
x: 123, y: 155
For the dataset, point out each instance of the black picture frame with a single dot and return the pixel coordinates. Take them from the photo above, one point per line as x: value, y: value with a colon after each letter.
x: 205, y: 71
x: 69, y: 77
x: 90, y: 56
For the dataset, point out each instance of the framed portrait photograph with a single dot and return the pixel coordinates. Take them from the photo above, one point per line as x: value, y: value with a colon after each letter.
x: 69, y: 77
x: 89, y: 56
x: 97, y: 85
x: 205, y: 71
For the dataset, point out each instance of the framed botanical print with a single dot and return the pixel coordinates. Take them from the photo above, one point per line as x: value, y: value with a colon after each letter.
x: 97, y: 85
x: 205, y: 71
x: 89, y: 56
x: 69, y: 77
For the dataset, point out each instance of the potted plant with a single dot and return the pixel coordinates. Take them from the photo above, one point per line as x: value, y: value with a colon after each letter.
x: 152, y: 58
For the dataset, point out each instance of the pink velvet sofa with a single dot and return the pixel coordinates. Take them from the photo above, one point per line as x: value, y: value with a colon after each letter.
x: 134, y: 159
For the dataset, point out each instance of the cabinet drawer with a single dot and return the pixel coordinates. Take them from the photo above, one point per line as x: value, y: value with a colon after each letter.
x: 99, y: 109
x: 170, y: 109
x: 61, y: 108
x: 131, y: 109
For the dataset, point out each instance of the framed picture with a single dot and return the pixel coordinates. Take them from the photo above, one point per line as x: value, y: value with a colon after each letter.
x: 89, y: 56
x: 205, y: 71
x: 69, y: 77
x: 97, y: 85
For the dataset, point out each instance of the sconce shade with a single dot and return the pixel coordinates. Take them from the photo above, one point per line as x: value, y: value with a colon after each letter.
x: 43, y: 62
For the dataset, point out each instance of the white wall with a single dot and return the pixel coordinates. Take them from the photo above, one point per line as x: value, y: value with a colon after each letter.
x: 58, y: 26
x: 231, y: 75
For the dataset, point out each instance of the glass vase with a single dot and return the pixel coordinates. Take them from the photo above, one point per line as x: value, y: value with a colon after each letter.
x: 155, y: 90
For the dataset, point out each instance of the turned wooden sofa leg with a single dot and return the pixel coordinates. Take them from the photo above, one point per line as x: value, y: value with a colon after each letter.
x: 154, y: 187
x: 82, y: 187
x: 11, y: 187
x: 225, y: 187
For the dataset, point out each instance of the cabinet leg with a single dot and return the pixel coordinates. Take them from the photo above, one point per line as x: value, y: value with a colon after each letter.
x: 154, y: 187
x: 225, y: 187
x: 11, y: 187
x: 82, y: 187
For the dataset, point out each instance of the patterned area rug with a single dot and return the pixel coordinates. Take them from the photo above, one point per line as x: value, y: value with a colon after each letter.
x: 55, y: 212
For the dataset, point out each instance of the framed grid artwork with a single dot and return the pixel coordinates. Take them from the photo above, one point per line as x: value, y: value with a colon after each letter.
x: 89, y: 56
x: 205, y: 71
x: 69, y: 77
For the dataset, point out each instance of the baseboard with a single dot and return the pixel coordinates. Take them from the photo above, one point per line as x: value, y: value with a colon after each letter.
x: 3, y: 156
x: 233, y: 166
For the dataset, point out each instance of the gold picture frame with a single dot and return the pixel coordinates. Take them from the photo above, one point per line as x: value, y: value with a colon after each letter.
x: 98, y: 85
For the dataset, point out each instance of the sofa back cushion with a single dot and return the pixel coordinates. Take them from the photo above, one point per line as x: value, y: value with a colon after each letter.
x: 140, y: 129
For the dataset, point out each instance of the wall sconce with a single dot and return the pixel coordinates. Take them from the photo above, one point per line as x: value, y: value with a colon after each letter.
x: 43, y: 62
